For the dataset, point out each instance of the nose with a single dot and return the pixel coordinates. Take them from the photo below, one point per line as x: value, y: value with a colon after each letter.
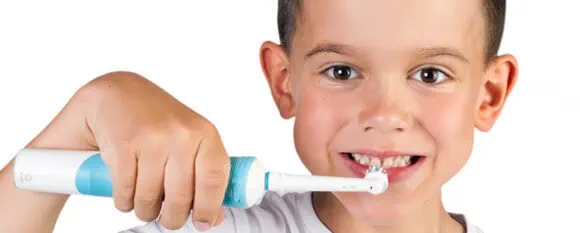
x: 384, y: 114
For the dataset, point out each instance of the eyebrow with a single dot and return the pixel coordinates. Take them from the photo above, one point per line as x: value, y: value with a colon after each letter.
x: 442, y: 51
x: 342, y: 49
x: 349, y: 50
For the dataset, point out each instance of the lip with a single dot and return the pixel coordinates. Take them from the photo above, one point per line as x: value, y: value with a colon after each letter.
x: 395, y: 175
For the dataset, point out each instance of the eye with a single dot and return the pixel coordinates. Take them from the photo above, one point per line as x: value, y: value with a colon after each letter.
x: 430, y: 75
x: 342, y: 73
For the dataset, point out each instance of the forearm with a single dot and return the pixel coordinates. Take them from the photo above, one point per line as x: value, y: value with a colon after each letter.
x: 27, y: 212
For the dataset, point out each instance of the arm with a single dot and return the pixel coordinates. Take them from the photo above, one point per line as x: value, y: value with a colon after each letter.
x: 23, y: 211
x: 136, y: 126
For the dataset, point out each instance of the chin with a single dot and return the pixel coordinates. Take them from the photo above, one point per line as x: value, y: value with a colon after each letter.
x: 381, y: 210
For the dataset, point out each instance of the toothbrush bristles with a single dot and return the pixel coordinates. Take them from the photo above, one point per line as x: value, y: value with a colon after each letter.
x: 374, y: 169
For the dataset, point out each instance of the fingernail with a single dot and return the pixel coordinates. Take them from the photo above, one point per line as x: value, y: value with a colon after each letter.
x: 202, y: 226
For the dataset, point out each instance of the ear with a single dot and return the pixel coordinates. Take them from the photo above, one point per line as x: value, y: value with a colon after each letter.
x: 498, y: 83
x: 275, y: 65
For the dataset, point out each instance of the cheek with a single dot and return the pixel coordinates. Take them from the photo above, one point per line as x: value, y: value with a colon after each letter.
x: 449, y: 120
x: 318, y: 117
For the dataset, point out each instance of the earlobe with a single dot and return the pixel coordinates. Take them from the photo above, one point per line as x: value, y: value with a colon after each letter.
x: 275, y: 66
x: 498, y: 83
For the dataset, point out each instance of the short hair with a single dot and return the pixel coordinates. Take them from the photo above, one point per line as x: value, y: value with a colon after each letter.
x: 288, y: 11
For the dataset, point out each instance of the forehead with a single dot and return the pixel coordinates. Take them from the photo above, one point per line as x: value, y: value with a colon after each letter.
x: 393, y: 25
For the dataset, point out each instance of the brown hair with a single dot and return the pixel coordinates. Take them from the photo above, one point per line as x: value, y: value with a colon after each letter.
x: 494, y: 14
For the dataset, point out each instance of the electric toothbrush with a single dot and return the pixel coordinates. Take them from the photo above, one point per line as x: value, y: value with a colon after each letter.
x: 85, y: 173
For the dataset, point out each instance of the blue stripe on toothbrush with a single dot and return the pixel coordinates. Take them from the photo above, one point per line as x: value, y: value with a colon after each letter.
x: 93, y: 178
x: 236, y: 191
x: 267, y: 179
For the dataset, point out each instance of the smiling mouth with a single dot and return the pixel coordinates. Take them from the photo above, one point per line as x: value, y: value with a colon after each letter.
x: 388, y: 162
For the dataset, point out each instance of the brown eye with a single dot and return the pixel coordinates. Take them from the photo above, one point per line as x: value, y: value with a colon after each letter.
x: 430, y: 75
x: 342, y: 73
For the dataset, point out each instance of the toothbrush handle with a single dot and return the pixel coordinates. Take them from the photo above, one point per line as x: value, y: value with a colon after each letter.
x: 84, y: 172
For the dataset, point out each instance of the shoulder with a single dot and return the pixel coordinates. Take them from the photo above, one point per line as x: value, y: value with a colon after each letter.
x: 275, y: 213
x: 467, y: 225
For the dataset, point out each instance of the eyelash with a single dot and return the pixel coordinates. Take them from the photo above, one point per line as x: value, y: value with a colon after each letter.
x: 331, y: 75
x: 430, y: 68
x: 327, y: 73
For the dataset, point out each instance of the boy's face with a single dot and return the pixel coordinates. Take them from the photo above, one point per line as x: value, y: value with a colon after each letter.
x: 385, y: 80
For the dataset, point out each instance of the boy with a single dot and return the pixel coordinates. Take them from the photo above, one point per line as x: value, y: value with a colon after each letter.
x: 402, y: 83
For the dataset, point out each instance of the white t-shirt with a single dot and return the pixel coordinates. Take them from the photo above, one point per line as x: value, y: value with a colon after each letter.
x: 289, y: 213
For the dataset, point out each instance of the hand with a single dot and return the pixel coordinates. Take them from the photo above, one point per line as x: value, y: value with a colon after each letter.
x: 158, y: 151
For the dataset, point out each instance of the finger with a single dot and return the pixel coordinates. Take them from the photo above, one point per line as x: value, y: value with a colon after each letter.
x: 178, y: 189
x: 149, y: 190
x: 221, y: 217
x: 212, y: 168
x: 123, y: 175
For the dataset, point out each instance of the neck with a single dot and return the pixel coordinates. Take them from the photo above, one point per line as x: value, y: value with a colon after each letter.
x: 431, y: 219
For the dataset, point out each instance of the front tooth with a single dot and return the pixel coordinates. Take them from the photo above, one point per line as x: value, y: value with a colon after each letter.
x: 375, y: 162
x: 357, y: 157
x: 388, y: 163
x: 399, y: 162
x: 364, y: 160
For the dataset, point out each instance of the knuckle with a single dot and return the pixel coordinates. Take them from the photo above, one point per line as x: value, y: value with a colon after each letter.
x: 122, y: 145
x: 214, y: 179
x: 148, y: 199
x: 181, y: 198
x: 185, y: 132
x: 116, y: 148
x: 196, y: 131
x: 205, y: 127
x: 125, y: 191
x: 210, y: 130
x: 150, y: 139
x: 153, y: 135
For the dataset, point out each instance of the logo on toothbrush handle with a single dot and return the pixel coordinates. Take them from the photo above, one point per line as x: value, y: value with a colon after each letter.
x: 352, y: 186
x: 25, y: 177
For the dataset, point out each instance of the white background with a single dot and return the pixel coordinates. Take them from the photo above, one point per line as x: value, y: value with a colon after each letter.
x: 522, y: 176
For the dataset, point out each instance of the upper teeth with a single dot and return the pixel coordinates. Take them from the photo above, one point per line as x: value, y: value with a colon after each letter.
x: 386, y: 163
